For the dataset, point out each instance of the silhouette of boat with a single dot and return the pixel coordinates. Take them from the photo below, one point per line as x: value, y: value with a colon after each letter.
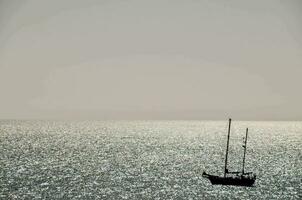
x: 240, y: 178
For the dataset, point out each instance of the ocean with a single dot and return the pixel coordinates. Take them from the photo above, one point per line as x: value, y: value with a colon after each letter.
x: 146, y: 159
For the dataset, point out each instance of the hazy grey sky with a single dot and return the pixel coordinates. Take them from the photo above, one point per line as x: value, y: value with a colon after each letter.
x: 156, y: 59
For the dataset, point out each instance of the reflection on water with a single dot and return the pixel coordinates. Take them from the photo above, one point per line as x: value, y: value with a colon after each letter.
x: 145, y: 159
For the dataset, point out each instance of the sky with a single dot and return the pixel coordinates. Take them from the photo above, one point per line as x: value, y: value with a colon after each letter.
x: 159, y: 59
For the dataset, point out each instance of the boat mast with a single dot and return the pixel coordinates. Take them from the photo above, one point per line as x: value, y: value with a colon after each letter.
x: 227, y: 149
x: 244, y: 146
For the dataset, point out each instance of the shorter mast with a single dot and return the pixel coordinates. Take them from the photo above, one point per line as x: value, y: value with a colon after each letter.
x: 244, y: 146
x: 227, y: 149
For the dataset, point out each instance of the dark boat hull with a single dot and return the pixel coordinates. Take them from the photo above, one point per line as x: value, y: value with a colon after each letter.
x: 237, y: 181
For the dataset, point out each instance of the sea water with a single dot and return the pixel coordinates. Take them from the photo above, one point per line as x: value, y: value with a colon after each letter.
x: 146, y: 159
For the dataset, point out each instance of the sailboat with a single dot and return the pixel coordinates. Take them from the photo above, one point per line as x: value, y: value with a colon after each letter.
x: 239, y: 178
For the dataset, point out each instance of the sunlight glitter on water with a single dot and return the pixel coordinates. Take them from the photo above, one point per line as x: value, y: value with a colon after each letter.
x: 145, y: 159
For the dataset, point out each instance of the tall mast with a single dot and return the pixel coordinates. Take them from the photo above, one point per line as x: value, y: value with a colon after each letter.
x: 244, y: 146
x: 227, y: 149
